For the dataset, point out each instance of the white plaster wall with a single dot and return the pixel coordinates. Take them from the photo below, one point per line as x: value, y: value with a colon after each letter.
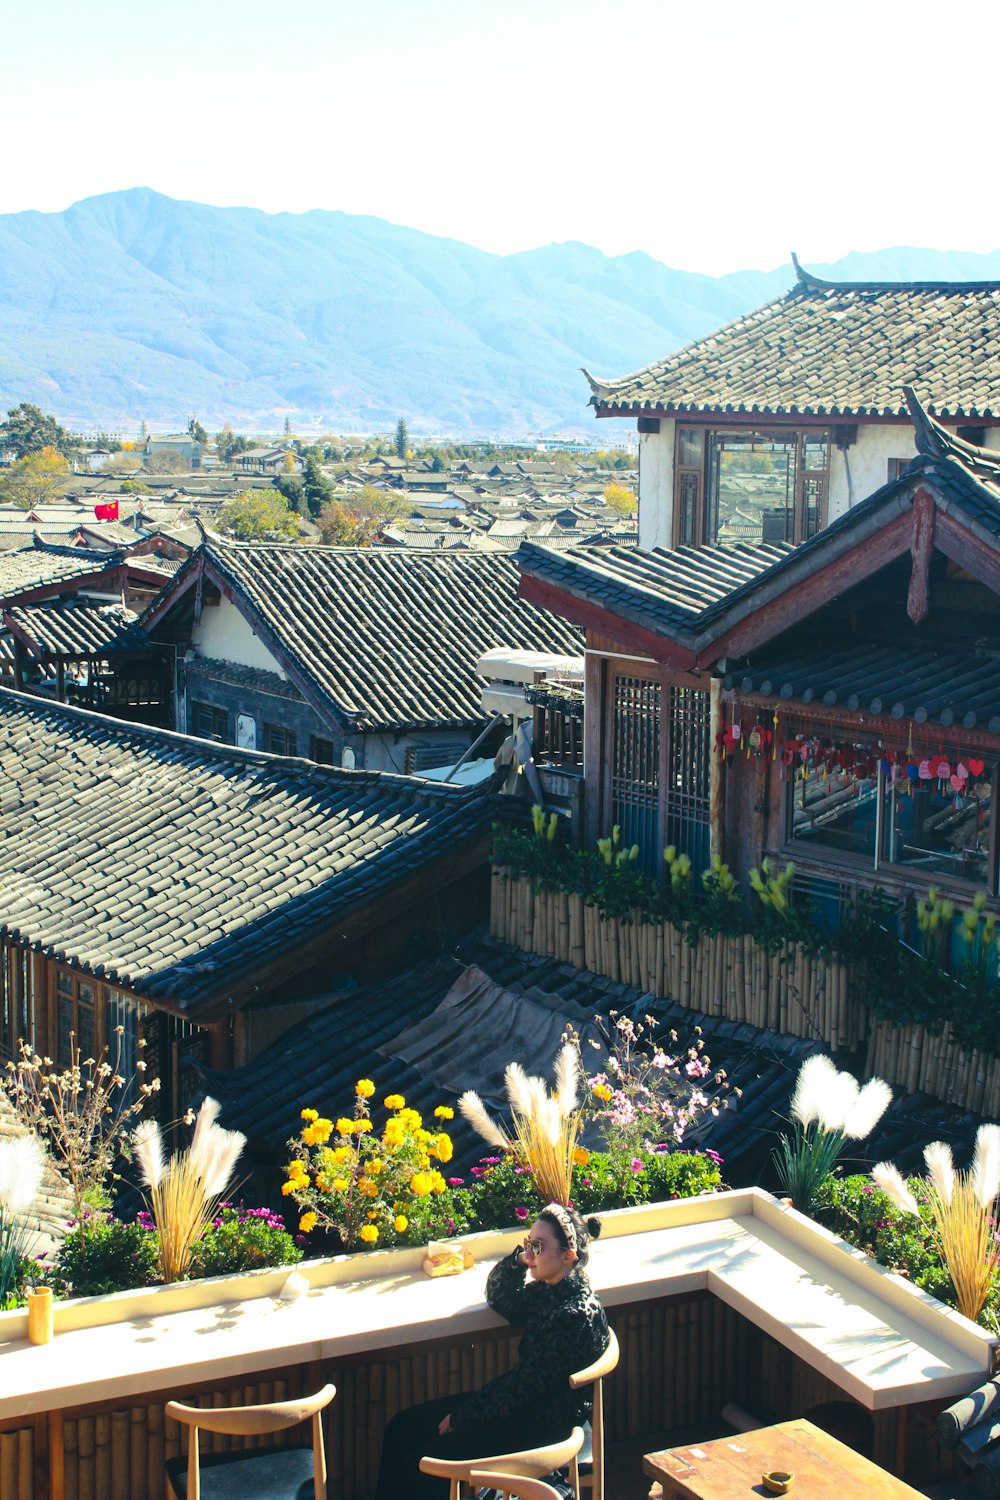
x: 656, y: 486
x: 224, y: 635
x: 869, y: 463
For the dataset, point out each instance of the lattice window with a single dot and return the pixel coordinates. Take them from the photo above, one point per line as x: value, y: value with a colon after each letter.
x: 635, y: 766
x: 17, y: 1017
x: 688, y: 770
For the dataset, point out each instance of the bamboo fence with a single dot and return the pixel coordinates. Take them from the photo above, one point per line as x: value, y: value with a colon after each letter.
x: 733, y: 978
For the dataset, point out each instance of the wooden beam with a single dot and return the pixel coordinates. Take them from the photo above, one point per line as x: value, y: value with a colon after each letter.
x: 922, y: 548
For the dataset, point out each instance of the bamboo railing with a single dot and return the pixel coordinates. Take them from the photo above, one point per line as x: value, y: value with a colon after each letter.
x: 732, y: 977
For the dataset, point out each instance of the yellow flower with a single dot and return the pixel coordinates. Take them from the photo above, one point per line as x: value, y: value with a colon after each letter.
x: 425, y: 1161
x: 318, y: 1133
x: 368, y: 1187
x: 438, y: 1183
x: 340, y: 1184
x: 444, y: 1113
x: 310, y: 1114
x: 345, y: 1126
x: 369, y: 1234
x: 581, y: 1156
x: 375, y: 1166
x: 394, y: 1101
x: 393, y: 1135
x: 362, y: 1125
x: 602, y: 1091
x: 342, y: 1153
x: 364, y: 1088
x: 296, y: 1168
x: 372, y: 1214
x: 410, y: 1119
x: 307, y: 1222
x: 421, y: 1184
x: 400, y: 1223
x: 287, y: 1188
x: 443, y: 1150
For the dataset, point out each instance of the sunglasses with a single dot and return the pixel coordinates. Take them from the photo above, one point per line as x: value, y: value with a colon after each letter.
x: 535, y: 1247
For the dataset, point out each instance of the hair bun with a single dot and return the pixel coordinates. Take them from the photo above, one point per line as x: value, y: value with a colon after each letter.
x: 593, y: 1228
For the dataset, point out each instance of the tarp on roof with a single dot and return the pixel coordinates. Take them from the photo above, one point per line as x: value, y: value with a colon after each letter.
x: 519, y: 1028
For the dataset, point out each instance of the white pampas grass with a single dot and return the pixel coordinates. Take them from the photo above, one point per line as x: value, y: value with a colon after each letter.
x: 815, y: 1078
x: 986, y: 1165
x: 518, y: 1088
x: 839, y: 1099
x: 22, y: 1163
x: 869, y: 1107
x: 474, y: 1110
x: 888, y: 1178
x: 940, y: 1169
x: 184, y: 1193
x: 567, y: 1078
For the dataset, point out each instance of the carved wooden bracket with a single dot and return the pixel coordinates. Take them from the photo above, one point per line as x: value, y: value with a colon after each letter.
x: 922, y: 548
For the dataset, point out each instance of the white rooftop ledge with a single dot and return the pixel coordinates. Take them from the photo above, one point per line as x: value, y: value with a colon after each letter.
x: 880, y: 1339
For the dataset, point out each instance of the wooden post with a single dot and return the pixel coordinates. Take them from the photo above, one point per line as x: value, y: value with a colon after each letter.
x: 716, y: 774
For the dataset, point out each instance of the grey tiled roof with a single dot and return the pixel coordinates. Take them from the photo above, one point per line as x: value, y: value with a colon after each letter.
x: 79, y: 627
x: 175, y: 868
x: 387, y: 639
x: 902, y: 682
x: 318, y: 1062
x: 34, y: 566
x: 840, y: 350
x: 662, y: 590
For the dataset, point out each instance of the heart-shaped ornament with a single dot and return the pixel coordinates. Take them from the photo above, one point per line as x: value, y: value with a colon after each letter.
x: 976, y: 767
x: 957, y: 783
x: 962, y: 771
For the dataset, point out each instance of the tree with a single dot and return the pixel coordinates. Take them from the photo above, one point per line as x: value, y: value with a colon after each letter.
x: 355, y: 520
x: 166, y: 461
x: 288, y: 427
x: 33, y: 479
x: 402, y: 438
x: 621, y: 498
x: 258, y: 516
x: 317, y: 490
x: 228, y: 443
x: 198, y: 432
x: 28, y: 430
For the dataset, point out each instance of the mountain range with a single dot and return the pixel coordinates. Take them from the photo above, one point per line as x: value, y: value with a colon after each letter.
x: 133, y: 306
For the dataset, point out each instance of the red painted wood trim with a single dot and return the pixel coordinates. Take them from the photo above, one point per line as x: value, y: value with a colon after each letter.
x: 631, y: 637
x: 962, y: 546
x: 802, y: 599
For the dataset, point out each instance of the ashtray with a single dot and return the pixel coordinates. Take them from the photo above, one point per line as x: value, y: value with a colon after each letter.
x: 778, y: 1481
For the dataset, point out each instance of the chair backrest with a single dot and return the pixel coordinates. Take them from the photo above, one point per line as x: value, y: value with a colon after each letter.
x: 512, y: 1485
x: 243, y: 1421
x: 527, y: 1463
x: 594, y: 1374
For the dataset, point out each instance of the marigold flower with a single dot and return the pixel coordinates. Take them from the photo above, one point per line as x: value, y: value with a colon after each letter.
x: 369, y: 1233
x: 394, y: 1101
x: 288, y: 1188
x: 438, y: 1183
x: 342, y: 1153
x: 310, y: 1114
x: 345, y: 1126
x: 400, y: 1223
x: 340, y: 1184
x: 444, y: 1113
x: 375, y: 1166
x: 296, y: 1168
x: 410, y: 1118
x: 581, y: 1156
x: 421, y: 1184
x: 602, y: 1091
x: 444, y: 1149
x: 307, y: 1222
x: 362, y: 1125
x: 364, y: 1088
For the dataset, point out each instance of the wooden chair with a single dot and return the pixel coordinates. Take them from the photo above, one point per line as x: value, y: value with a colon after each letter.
x: 529, y: 1463
x: 255, y: 1473
x: 511, y: 1486
x: 594, y: 1375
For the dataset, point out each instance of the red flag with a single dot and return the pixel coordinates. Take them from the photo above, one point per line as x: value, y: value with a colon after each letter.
x: 108, y: 511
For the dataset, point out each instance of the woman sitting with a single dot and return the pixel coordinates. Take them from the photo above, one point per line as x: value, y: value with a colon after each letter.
x: 565, y: 1330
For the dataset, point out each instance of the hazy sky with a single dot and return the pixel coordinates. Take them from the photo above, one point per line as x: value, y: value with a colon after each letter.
x: 713, y: 136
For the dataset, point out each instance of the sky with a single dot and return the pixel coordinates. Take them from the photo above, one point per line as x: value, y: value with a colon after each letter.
x: 713, y: 135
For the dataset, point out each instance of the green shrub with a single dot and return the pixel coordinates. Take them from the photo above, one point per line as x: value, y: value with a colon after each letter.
x: 243, y: 1239
x: 114, y: 1256
x: 653, y: 1177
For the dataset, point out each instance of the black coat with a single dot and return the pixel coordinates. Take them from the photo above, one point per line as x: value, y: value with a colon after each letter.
x: 565, y: 1330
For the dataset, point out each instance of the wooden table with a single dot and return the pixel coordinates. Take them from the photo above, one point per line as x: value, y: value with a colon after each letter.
x: 731, y: 1467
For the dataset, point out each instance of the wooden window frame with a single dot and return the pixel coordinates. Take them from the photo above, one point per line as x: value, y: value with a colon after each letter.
x: 218, y: 716
x: 275, y: 735
x: 684, y: 474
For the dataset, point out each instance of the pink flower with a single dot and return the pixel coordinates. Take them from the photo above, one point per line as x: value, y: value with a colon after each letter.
x: 520, y: 1213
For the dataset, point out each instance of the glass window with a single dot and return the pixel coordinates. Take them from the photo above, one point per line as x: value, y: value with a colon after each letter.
x: 750, y: 486
x: 278, y: 740
x: 933, y: 827
x: 834, y: 810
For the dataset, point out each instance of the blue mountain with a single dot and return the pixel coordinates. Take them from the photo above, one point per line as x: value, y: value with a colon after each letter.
x: 132, y: 305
